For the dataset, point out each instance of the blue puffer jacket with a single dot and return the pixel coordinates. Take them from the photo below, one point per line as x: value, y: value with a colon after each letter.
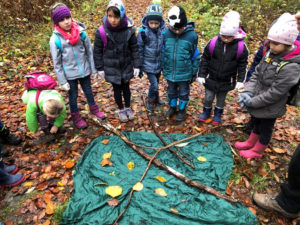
x: 180, y: 56
x: 150, y: 44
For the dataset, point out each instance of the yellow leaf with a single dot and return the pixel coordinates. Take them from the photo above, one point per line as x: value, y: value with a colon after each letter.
x: 28, y: 184
x: 113, y: 191
x: 201, y: 159
x: 161, y: 192
x: 105, y: 162
x: 161, y: 179
x: 106, y: 155
x: 174, y: 210
x: 138, y: 186
x: 50, y: 208
x: 105, y: 141
x: 130, y: 165
x: 60, y: 183
x: 279, y: 150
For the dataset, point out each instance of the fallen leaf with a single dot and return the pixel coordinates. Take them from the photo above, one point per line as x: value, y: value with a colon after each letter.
x: 69, y: 164
x: 105, y: 162
x: 47, y: 222
x: 174, y: 210
x: 106, y: 155
x: 50, y: 208
x: 271, y: 166
x: 201, y: 159
x: 102, y: 183
x: 28, y: 184
x: 208, y: 120
x: 113, y: 191
x: 113, y: 202
x: 161, y: 192
x: 130, y: 165
x: 161, y: 179
x: 204, y: 144
x: 252, y: 210
x: 279, y: 150
x: 138, y: 186
x: 105, y: 141
x: 182, y: 144
x: 276, y: 178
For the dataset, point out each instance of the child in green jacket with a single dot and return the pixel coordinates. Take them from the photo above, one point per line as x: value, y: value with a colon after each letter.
x: 49, y: 113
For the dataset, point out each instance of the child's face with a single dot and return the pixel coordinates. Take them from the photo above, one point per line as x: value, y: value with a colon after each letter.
x: 177, y: 31
x: 66, y: 24
x: 153, y: 24
x: 227, y: 39
x: 113, y: 19
x: 277, y: 48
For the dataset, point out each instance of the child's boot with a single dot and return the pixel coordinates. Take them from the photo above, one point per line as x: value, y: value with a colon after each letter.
x: 9, y: 180
x: 95, y: 111
x: 217, y: 116
x: 254, y: 152
x: 249, y: 143
x: 129, y: 113
x: 205, y: 115
x: 11, y: 169
x: 78, y: 121
x: 150, y: 105
x: 122, y: 115
x: 182, y: 110
x: 7, y: 138
x: 173, y: 107
x: 158, y: 101
x: 3, y: 151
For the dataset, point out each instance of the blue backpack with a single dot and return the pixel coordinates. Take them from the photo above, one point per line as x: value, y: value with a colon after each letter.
x: 58, y: 42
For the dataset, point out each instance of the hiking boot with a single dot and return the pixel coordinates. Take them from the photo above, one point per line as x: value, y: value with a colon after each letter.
x: 268, y: 201
x: 181, y: 115
x: 122, y: 115
x: 171, y: 111
x: 158, y: 101
x: 217, y: 116
x: 205, y: 115
x: 3, y: 151
x: 129, y: 113
x: 11, y: 180
x: 12, y: 169
x: 94, y: 109
x: 78, y: 121
x: 150, y: 105
x: 7, y: 138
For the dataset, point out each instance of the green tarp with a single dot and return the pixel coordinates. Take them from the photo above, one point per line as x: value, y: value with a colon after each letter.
x: 88, y: 204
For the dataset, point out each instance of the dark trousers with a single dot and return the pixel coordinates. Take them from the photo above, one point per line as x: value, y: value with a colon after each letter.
x: 154, y: 81
x: 289, y: 197
x: 179, y: 90
x: 118, y: 91
x: 73, y: 92
x: 264, y: 128
x: 210, y: 96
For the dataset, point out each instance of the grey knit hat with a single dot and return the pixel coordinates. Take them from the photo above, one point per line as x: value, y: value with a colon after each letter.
x: 154, y: 12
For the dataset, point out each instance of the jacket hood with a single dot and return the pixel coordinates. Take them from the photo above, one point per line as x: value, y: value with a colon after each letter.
x: 130, y: 22
x: 240, y: 34
x: 190, y: 26
x: 295, y: 53
x: 145, y: 23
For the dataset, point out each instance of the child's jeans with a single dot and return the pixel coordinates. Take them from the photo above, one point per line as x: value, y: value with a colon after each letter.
x: 210, y: 96
x: 179, y: 90
x: 73, y: 92
x: 118, y: 90
x: 44, y: 123
x: 154, y: 81
x: 264, y: 128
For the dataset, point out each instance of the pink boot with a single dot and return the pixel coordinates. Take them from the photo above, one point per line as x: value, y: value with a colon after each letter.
x: 78, y: 121
x: 253, y: 138
x: 95, y: 111
x: 255, y: 152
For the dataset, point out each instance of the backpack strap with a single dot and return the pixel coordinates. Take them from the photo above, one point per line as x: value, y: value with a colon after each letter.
x: 57, y: 42
x: 265, y: 47
x: 196, y: 53
x: 240, y: 49
x: 212, y: 45
x: 103, y: 36
x: 143, y: 34
x: 280, y: 65
x: 83, y: 35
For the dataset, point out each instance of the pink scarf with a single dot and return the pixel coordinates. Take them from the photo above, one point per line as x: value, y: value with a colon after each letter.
x: 73, y: 37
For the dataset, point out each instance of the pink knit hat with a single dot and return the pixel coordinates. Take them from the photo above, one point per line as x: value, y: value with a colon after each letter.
x: 284, y: 30
x: 230, y: 24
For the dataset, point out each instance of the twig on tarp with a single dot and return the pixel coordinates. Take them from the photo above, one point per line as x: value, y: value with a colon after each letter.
x: 161, y: 165
x: 165, y: 143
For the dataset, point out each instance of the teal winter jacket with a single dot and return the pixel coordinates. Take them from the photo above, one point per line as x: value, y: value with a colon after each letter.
x: 180, y: 56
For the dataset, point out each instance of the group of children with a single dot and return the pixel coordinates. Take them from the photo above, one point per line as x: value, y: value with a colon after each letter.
x: 119, y: 55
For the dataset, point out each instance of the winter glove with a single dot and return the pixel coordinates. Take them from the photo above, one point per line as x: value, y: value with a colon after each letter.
x: 141, y: 74
x: 101, y: 73
x: 200, y: 80
x: 94, y: 76
x: 136, y: 72
x: 65, y: 87
x: 245, y: 99
x: 239, y: 85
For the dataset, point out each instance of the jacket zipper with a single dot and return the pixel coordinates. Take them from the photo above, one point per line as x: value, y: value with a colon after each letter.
x: 174, y: 58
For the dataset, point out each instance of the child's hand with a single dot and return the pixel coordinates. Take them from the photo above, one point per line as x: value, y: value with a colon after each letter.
x: 65, y: 87
x: 200, y: 80
x: 136, y: 72
x: 54, y: 130
x: 239, y: 85
x: 94, y: 76
x: 101, y: 74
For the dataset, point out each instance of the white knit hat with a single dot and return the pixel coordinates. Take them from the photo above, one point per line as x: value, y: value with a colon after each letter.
x: 284, y: 30
x: 230, y: 24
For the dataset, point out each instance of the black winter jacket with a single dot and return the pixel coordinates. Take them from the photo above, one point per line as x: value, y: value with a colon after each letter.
x: 120, y: 55
x: 222, y: 68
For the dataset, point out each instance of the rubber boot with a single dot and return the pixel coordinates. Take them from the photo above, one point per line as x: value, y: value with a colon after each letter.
x: 11, y: 169
x: 249, y: 143
x: 173, y: 107
x: 217, y: 116
x: 205, y: 115
x: 255, y: 152
x: 7, y: 138
x: 94, y: 109
x: 182, y: 111
x: 9, y: 180
x: 78, y: 121
x: 150, y: 105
